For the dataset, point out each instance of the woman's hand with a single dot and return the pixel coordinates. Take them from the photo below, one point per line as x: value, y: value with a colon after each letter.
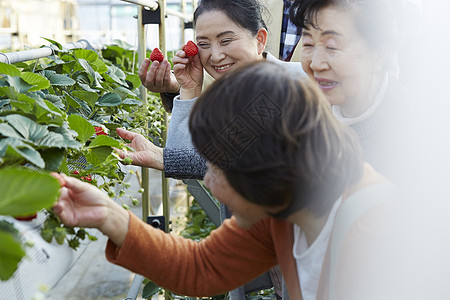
x: 158, y: 78
x: 189, y: 73
x: 83, y: 205
x: 146, y: 154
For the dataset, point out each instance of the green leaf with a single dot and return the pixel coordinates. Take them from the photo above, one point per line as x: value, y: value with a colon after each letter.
x: 8, y: 69
x: 89, y: 97
x: 130, y: 101
x: 41, y: 191
x: 29, y: 129
x: 19, y: 84
x: 98, y: 155
x: 115, y: 74
x: 71, y: 101
x: 87, y: 88
x: 54, y: 43
x: 150, y: 289
x: 24, y: 103
x: 75, y: 103
x: 61, y: 80
x: 56, y: 116
x: 16, y: 150
x: 53, y: 158
x: 38, y: 82
x: 11, y: 253
x: 134, y: 80
x: 4, y: 102
x: 109, y: 99
x: 88, y: 68
x: 7, y: 131
x: 124, y: 92
x: 53, y: 140
x: 55, y: 100
x: 84, y: 129
x: 104, y: 140
x: 9, y: 92
x: 68, y: 136
x: 86, y: 54
x: 100, y: 66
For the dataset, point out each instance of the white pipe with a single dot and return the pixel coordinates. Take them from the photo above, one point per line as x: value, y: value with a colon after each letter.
x: 21, y: 56
x: 179, y: 14
x: 151, y: 4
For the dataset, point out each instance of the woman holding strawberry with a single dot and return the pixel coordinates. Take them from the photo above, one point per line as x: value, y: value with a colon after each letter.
x: 228, y: 34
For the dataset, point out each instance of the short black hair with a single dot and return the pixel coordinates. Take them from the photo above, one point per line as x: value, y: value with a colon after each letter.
x: 276, y: 139
x: 245, y: 13
x: 379, y: 21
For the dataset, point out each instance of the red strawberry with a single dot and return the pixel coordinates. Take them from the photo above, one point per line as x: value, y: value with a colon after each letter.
x: 99, y: 131
x: 191, y: 48
x: 26, y: 218
x: 87, y: 178
x: 75, y: 172
x: 156, y: 55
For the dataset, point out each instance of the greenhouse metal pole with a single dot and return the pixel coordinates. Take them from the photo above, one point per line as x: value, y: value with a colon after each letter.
x: 143, y: 95
x: 182, y: 27
x: 150, y: 4
x: 165, y: 181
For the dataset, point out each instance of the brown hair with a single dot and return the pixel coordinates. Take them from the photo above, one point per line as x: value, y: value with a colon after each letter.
x: 276, y: 139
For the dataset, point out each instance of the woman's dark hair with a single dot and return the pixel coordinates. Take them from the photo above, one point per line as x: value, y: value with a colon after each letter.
x: 377, y: 20
x: 246, y: 13
x: 276, y: 139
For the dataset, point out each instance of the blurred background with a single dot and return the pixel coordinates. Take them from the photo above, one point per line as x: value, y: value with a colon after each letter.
x: 25, y: 23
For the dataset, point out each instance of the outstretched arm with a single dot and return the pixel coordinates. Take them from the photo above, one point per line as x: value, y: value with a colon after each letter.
x: 83, y: 205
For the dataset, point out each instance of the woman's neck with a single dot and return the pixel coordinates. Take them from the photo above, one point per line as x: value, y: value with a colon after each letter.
x: 310, y: 224
x: 366, y: 99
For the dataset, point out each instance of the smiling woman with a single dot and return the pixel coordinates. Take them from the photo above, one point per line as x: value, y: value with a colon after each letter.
x: 349, y: 48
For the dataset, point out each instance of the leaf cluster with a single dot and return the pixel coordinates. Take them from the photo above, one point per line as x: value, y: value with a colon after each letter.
x: 49, y: 111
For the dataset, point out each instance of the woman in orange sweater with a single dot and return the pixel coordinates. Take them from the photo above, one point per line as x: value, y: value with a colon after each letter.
x: 291, y: 174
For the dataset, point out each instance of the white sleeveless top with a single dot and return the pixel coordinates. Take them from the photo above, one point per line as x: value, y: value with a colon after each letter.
x: 310, y: 258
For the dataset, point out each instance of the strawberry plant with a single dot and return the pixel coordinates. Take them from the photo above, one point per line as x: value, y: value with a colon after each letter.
x: 60, y: 114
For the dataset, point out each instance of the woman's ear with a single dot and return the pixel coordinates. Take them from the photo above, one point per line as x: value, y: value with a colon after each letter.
x: 261, y: 37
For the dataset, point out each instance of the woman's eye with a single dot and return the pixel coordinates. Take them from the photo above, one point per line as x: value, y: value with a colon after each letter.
x: 331, y: 48
x: 225, y: 42
x: 203, y: 45
x: 307, y: 45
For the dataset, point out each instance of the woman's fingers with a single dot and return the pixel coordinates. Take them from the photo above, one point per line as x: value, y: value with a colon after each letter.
x: 143, y: 70
x: 125, y: 134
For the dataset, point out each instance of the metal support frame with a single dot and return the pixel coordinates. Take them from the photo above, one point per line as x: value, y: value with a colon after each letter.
x: 205, y: 200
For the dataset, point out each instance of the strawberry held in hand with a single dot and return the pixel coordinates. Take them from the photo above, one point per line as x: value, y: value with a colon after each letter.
x: 156, y: 55
x: 191, y: 48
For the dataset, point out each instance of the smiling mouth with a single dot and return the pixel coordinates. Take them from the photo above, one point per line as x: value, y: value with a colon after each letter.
x: 224, y: 67
x: 326, y: 84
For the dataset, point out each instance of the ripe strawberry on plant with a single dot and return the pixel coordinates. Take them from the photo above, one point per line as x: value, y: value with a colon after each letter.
x: 190, y: 48
x: 86, y: 178
x: 156, y: 55
x: 99, y: 131
x: 26, y: 218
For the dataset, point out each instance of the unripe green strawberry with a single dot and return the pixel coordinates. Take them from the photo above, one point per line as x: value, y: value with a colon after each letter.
x: 191, y: 48
x: 156, y: 55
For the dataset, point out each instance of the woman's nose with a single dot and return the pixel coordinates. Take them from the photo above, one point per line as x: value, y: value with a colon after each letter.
x: 217, y: 54
x: 319, y: 60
